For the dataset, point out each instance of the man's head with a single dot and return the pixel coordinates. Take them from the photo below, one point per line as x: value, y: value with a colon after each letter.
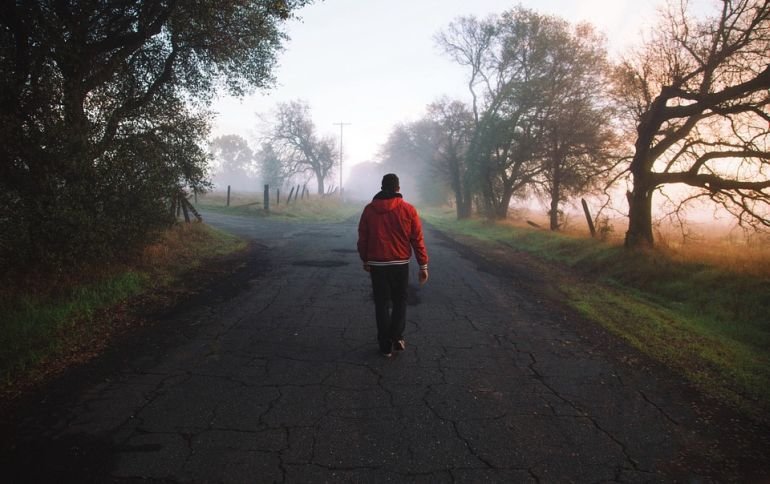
x: 390, y: 183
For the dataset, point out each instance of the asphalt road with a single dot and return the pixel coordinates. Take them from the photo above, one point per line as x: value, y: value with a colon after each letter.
x: 275, y: 377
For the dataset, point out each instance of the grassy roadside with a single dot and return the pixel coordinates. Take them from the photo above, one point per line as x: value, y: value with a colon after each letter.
x: 317, y: 209
x: 706, y: 320
x: 50, y: 322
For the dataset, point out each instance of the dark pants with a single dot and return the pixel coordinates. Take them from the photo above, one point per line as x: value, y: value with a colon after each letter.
x: 389, y: 284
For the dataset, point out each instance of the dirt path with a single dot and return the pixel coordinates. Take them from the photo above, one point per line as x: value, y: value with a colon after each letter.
x: 274, y: 376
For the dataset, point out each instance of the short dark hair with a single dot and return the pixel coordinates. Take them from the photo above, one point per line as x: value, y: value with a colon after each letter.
x: 390, y: 182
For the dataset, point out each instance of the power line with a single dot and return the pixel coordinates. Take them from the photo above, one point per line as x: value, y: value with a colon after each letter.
x: 341, y: 125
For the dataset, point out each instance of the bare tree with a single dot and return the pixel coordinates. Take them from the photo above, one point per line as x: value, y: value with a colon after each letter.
x: 293, y: 137
x: 697, y: 95
x: 470, y: 42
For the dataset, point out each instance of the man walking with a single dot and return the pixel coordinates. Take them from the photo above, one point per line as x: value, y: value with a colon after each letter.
x: 388, y: 231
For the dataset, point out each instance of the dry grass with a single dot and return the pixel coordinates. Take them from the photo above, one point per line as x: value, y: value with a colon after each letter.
x: 740, y: 260
x: 236, y: 199
x: 314, y: 208
x: 184, y: 243
x: 743, y: 255
x: 714, y: 244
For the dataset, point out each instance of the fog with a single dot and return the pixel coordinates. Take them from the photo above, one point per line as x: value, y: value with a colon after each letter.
x: 221, y: 181
x: 364, y: 181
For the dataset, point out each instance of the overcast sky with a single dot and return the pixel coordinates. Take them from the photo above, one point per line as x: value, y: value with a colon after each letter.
x: 374, y: 63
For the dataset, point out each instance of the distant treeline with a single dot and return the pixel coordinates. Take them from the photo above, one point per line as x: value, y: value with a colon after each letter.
x: 552, y: 117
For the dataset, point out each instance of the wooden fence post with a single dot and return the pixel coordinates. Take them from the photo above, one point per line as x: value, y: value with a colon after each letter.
x: 588, y: 217
x: 192, y: 209
x: 184, y: 203
x: 228, y: 195
x: 267, y: 198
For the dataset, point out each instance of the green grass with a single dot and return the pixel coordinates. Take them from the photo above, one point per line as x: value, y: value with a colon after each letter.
x: 47, y: 317
x: 33, y: 325
x: 707, y: 321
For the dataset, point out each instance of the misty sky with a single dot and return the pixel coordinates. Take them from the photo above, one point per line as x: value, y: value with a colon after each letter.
x: 374, y: 63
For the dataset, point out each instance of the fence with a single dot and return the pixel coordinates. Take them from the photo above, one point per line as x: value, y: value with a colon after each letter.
x: 296, y: 193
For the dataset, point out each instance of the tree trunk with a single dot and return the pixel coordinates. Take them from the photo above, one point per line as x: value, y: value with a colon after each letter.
x: 639, y: 232
x: 459, y: 205
x: 320, y: 180
x: 464, y: 210
x: 501, y: 210
x: 555, y: 197
x: 554, y: 212
x: 457, y: 188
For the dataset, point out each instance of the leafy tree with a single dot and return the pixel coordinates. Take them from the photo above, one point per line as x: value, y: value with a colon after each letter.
x: 580, y: 152
x: 101, y: 115
x: 236, y: 164
x: 453, y: 128
x: 579, y: 140
x: 697, y: 95
x: 531, y: 77
x: 293, y: 137
x: 508, y: 57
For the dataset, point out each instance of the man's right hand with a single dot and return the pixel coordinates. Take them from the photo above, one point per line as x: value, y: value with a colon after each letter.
x: 422, y: 276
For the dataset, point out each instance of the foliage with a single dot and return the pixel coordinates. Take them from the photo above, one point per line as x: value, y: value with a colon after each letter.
x: 579, y: 142
x: 696, y: 98
x: 101, y: 114
x: 531, y: 77
x: 452, y: 123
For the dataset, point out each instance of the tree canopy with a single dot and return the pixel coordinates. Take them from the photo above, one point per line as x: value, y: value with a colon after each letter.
x: 102, y: 112
x: 552, y: 115
x: 532, y: 79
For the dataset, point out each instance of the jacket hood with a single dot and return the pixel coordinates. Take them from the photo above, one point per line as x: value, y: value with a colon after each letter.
x: 386, y: 201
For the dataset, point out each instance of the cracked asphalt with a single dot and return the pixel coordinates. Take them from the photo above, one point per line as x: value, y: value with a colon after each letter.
x: 275, y: 377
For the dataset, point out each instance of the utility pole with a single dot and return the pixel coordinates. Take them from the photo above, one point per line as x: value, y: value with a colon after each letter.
x: 341, y: 125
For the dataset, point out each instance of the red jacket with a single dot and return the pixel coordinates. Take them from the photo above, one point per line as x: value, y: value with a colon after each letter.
x: 388, y: 231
